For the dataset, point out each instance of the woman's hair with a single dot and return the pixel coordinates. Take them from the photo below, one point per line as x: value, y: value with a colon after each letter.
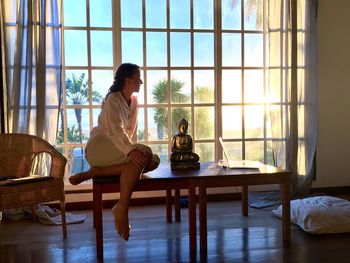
x: 125, y: 70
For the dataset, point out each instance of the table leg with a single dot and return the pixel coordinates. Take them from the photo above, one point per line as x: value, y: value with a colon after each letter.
x: 192, y: 216
x: 97, y: 200
x: 94, y: 197
x: 286, y: 211
x: 177, y: 205
x: 245, y: 200
x: 203, y: 217
x: 169, y: 216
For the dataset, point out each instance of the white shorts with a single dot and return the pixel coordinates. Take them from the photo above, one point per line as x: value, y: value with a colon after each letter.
x: 101, y: 152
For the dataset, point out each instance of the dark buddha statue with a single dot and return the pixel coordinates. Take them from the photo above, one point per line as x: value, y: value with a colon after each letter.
x: 182, y: 156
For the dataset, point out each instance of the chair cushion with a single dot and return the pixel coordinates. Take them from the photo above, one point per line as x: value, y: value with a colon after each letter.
x: 319, y: 214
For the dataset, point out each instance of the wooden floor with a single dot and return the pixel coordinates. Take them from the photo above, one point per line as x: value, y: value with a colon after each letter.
x: 231, y: 238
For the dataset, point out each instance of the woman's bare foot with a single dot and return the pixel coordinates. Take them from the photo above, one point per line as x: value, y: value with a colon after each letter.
x: 121, y: 222
x: 80, y: 177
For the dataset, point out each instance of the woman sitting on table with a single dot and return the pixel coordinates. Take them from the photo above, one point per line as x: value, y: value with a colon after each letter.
x: 111, y: 152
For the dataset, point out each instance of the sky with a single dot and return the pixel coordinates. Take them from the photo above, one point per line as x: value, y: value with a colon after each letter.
x: 76, y: 47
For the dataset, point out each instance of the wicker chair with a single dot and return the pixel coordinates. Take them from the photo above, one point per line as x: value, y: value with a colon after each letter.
x: 17, y: 187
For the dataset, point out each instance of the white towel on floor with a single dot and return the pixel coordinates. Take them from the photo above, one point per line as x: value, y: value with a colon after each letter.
x: 45, y: 214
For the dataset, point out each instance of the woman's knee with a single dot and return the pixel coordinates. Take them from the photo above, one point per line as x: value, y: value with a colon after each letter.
x: 144, y: 148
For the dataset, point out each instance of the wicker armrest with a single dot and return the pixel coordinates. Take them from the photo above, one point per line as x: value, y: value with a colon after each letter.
x: 58, y: 161
x: 25, y: 180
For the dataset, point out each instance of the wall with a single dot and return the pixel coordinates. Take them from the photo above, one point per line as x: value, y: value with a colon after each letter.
x: 333, y: 148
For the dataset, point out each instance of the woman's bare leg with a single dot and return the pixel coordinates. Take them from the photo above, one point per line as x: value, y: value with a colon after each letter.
x: 112, y: 170
x: 128, y: 180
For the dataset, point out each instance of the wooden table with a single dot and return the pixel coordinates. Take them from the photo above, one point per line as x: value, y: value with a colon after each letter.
x: 161, y: 179
x: 209, y: 175
x: 214, y: 176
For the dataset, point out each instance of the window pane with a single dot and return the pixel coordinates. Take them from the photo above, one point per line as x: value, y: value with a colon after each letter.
x: 275, y: 17
x: 234, y: 151
x: 157, y: 86
x: 132, y: 47
x: 75, y: 48
x: 204, y: 122
x: 77, y: 162
x: 232, y: 122
x: 180, y: 86
x: 254, y: 151
x: 269, y: 157
x: 157, y: 123
x: 73, y: 127
x: 140, y: 125
x: 162, y: 151
x: 253, y: 50
x: 177, y: 114
x: 231, y: 14
x: 60, y: 128
x: 231, y: 86
x: 205, y: 151
x: 11, y: 37
x: 301, y: 85
x: 156, y: 47
x: 180, y: 49
x: 95, y: 113
x: 231, y: 49
x: 155, y: 13
x: 101, y: 48
x: 203, y: 14
x: 101, y: 82
x: 100, y: 13
x: 254, y: 86
x: 74, y: 12
x: 179, y: 13
x: 274, y: 87
x: 301, y: 121
x: 203, y: 49
x: 141, y: 94
x: 275, y: 45
x: 254, y: 121
x: 276, y: 128
x: 77, y: 84
x: 253, y: 15
x: 131, y: 13
x: 204, y: 86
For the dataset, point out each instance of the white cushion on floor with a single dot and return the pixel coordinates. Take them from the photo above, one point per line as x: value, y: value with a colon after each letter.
x: 319, y: 214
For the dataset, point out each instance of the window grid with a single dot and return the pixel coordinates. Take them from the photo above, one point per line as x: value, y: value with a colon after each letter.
x: 217, y: 68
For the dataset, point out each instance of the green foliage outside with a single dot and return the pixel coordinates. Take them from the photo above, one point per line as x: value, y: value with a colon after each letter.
x: 160, y: 95
x: 204, y: 125
x: 77, y: 93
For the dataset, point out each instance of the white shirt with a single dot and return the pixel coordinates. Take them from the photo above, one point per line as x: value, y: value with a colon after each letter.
x: 117, y: 121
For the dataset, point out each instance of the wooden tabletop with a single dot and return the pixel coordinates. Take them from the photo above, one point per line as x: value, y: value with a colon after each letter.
x: 207, y: 170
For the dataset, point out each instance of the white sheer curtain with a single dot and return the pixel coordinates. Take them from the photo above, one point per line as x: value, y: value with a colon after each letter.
x: 31, y: 37
x: 291, y: 87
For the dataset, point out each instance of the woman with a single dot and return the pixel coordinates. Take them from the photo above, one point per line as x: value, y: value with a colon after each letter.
x: 110, y: 150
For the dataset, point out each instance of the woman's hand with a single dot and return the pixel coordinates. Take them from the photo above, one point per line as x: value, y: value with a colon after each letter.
x: 138, y: 157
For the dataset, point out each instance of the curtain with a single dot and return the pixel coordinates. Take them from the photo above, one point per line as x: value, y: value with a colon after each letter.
x: 291, y: 88
x: 31, y: 37
x: 2, y: 97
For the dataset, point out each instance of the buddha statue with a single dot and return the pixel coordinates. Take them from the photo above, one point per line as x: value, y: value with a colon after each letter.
x: 182, y: 156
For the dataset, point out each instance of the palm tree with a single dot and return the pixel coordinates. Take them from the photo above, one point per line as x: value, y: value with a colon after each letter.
x: 160, y: 95
x: 77, y: 92
x: 251, y: 7
x: 204, y: 125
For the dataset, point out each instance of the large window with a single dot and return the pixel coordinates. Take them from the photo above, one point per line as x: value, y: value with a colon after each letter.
x: 202, y: 60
